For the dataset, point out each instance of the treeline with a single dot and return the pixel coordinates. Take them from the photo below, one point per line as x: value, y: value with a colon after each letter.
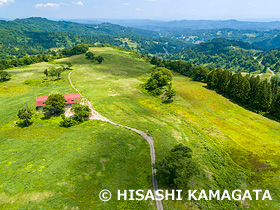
x: 261, y: 96
x: 31, y: 59
x: 16, y: 43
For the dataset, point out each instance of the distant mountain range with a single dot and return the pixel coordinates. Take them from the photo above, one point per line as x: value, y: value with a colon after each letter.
x: 188, y: 24
x: 262, y: 34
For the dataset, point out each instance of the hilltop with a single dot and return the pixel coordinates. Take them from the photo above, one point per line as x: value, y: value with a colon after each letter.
x: 235, y: 148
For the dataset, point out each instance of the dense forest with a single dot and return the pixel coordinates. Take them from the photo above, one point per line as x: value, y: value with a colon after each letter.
x: 222, y: 53
x: 37, y: 24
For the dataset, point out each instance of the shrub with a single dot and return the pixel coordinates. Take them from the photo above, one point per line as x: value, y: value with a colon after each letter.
x: 67, y: 122
x: 82, y: 112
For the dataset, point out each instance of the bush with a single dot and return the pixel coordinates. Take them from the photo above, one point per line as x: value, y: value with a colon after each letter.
x: 4, y: 76
x: 82, y: 112
x: 67, y: 122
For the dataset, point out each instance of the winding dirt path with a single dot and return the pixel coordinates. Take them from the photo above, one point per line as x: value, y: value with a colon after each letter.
x: 272, y: 72
x: 97, y: 116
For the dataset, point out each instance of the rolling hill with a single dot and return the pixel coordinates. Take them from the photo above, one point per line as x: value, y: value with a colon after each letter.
x: 235, y: 148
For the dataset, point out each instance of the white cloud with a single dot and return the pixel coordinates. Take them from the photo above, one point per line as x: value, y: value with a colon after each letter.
x: 126, y: 4
x: 138, y: 9
x: 80, y: 3
x: 2, y: 2
x: 47, y: 5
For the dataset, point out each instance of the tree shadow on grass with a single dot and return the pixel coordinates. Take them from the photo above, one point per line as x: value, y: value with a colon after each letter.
x: 3, y: 81
x: 24, y: 125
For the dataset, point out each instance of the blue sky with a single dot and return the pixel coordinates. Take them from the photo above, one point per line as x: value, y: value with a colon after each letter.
x: 142, y: 9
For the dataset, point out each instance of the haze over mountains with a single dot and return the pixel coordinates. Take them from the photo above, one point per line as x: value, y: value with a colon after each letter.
x: 187, y: 24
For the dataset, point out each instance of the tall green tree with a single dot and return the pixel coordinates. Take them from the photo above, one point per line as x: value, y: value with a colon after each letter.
x: 25, y: 115
x: 160, y: 78
x: 177, y: 169
x: 55, y: 104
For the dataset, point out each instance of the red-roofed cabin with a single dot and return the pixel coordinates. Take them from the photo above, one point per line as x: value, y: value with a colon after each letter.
x: 69, y: 99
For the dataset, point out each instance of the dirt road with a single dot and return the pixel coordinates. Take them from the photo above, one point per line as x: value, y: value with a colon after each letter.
x: 97, y: 116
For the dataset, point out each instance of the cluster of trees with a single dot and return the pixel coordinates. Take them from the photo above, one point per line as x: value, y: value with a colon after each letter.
x: 56, y: 72
x: 177, y: 169
x: 27, y: 60
x: 52, y: 72
x: 183, y: 67
x: 91, y: 56
x: 4, y: 76
x: 77, y: 50
x: 82, y: 112
x: 160, y: 83
x: 31, y: 59
x: 55, y: 105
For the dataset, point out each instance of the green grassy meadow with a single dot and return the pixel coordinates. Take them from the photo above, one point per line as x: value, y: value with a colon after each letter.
x: 235, y: 147
x: 48, y: 167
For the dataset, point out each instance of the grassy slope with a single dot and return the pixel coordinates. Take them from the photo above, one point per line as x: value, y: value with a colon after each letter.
x: 48, y: 167
x: 222, y: 135
x: 236, y: 148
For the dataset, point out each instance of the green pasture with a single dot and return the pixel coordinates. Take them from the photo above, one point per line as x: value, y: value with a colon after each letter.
x: 235, y: 147
x: 45, y: 166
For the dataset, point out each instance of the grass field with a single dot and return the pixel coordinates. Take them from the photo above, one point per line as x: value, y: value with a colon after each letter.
x: 235, y: 148
x: 49, y: 167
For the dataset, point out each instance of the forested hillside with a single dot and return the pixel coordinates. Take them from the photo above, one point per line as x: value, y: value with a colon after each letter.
x: 263, y: 39
x: 37, y: 35
x: 263, y: 34
x: 222, y: 53
x: 45, y: 25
